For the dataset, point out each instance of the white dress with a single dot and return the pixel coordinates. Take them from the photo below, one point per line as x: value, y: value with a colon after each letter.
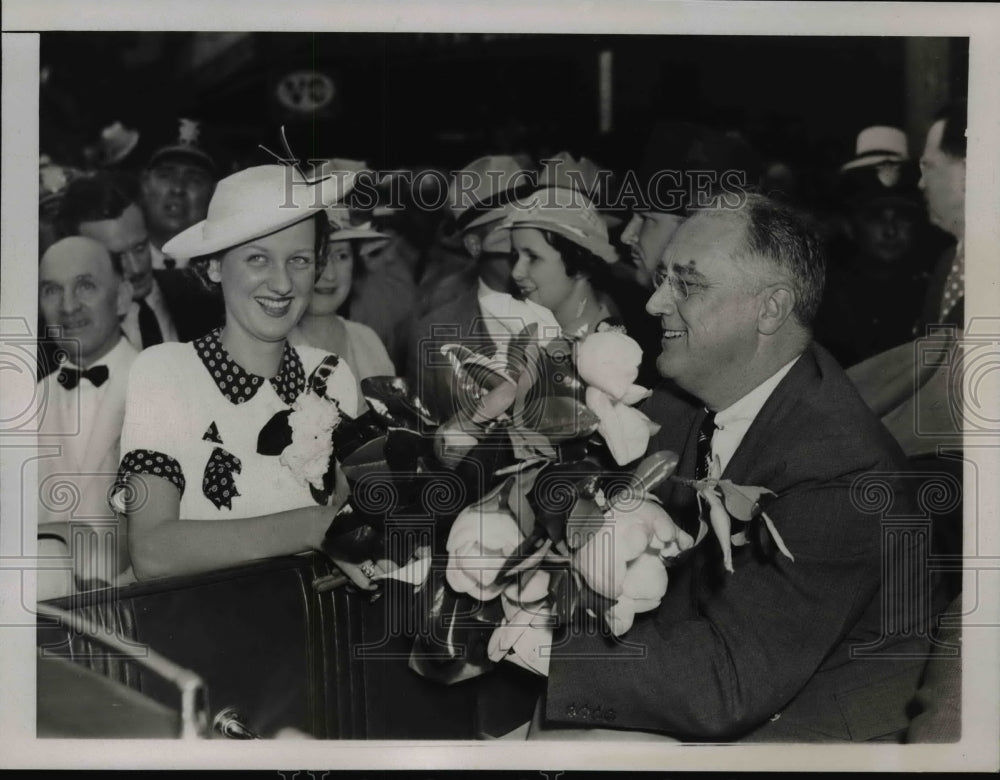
x: 193, y: 416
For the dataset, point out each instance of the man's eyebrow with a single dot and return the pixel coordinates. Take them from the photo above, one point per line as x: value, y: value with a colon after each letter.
x: 689, y: 271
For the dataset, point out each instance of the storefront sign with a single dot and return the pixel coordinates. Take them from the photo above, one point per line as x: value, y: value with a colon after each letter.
x: 305, y: 91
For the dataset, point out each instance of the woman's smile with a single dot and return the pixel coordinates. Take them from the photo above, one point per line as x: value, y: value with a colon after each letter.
x: 275, y: 306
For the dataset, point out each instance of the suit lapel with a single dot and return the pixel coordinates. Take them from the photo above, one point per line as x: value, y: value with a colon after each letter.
x: 679, y: 421
x: 765, y: 434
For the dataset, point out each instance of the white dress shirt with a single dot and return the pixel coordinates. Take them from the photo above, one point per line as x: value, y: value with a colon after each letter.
x: 72, y: 413
x: 733, y: 422
x: 130, y: 324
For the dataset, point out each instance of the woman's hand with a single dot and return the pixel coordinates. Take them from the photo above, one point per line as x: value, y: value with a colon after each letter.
x: 363, y: 574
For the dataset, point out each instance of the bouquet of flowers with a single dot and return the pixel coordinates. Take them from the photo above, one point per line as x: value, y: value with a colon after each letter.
x: 559, y: 521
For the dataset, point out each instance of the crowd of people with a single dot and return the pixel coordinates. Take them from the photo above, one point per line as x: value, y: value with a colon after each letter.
x: 186, y: 307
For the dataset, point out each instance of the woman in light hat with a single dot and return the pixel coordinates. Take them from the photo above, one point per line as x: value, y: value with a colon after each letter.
x: 215, y: 471
x: 561, y: 253
x: 321, y: 326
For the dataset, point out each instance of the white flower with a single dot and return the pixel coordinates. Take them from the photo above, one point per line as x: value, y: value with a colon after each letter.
x: 478, y: 546
x: 312, y: 422
x: 609, y: 360
x: 626, y: 431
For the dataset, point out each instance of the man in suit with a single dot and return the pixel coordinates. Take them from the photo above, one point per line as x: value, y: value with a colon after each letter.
x: 682, y: 163
x: 942, y: 179
x: 176, y: 187
x: 81, y: 294
x: 481, y: 189
x: 168, y: 304
x: 774, y: 650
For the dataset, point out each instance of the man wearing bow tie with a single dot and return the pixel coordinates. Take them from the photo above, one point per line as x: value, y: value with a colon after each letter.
x: 82, y: 295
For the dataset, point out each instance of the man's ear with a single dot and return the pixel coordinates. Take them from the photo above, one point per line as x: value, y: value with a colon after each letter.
x: 124, y: 299
x: 473, y: 244
x: 214, y: 270
x: 777, y: 305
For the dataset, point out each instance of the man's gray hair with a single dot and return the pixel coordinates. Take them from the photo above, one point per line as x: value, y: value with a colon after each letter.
x: 782, y: 237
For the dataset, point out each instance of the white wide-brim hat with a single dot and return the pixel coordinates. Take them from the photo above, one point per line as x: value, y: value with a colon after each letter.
x: 256, y: 202
x: 876, y: 145
x: 562, y: 210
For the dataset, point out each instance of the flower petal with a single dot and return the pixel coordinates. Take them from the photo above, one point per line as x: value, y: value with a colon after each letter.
x: 609, y: 360
x: 634, y: 394
x: 626, y: 431
x: 601, y: 562
x: 621, y: 615
x: 645, y: 578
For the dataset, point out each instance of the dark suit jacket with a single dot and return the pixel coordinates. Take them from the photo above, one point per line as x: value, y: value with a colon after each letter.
x: 458, y: 321
x: 726, y: 653
x: 194, y: 308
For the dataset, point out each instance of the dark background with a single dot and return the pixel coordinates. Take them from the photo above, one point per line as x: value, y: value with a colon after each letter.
x: 411, y: 100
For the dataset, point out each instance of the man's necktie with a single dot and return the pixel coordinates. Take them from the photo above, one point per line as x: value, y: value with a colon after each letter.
x: 69, y: 377
x: 703, y: 449
x: 954, y: 285
x: 149, y: 328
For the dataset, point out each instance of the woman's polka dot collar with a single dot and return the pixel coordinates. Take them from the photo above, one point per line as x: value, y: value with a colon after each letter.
x: 239, y: 385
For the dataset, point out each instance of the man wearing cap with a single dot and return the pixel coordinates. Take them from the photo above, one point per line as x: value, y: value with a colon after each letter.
x: 479, y: 192
x: 169, y: 304
x: 177, y: 185
x: 81, y: 296
x: 682, y: 166
x: 877, y: 273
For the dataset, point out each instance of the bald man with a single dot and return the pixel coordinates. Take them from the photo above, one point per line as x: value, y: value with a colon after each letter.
x: 82, y: 297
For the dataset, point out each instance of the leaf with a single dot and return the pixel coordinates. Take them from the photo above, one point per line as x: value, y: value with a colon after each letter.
x: 369, y: 458
x: 392, y: 399
x: 777, y: 537
x: 517, y: 499
x: 559, y: 419
x: 517, y: 349
x: 528, y: 555
x: 722, y: 525
x: 494, y: 402
x: 742, y: 501
x: 352, y: 433
x: 654, y: 469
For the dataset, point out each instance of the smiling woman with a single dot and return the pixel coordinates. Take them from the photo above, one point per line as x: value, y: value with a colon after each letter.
x: 201, y: 482
x: 322, y: 327
x: 561, y: 253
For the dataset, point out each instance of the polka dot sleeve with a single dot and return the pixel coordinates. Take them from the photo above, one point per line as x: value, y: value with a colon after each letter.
x: 153, y: 463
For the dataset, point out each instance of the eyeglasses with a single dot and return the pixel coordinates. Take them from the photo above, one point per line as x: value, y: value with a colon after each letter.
x: 678, y: 287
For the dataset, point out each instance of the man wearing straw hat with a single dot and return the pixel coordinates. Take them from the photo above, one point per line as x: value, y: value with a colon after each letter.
x: 877, y: 274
